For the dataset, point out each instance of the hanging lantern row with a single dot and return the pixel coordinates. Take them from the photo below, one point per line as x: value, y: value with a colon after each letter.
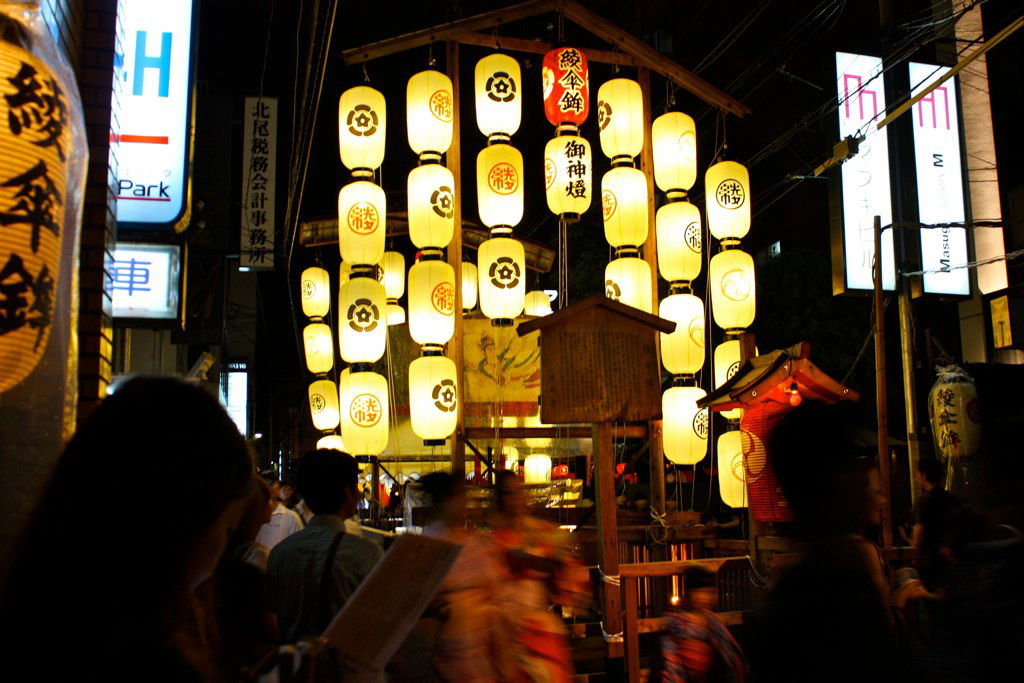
x: 318, y: 347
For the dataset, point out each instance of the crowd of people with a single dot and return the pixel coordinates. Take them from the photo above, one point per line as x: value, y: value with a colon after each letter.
x: 210, y: 568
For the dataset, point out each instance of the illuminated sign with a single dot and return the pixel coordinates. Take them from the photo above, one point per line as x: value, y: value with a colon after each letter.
x: 940, y: 191
x: 146, y: 280
x: 864, y: 176
x: 152, y: 111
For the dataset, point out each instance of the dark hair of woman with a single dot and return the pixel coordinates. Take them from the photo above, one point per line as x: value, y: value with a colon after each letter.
x: 102, y: 593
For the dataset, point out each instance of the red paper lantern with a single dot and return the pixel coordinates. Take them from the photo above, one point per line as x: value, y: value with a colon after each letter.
x: 764, y: 495
x: 566, y: 80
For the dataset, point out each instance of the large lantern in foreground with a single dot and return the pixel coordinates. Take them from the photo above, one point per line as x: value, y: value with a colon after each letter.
x: 732, y: 480
x: 537, y: 469
x: 432, y: 301
x: 733, y: 291
x: 316, y: 292
x: 567, y: 176
x: 431, y: 206
x: 727, y: 194
x: 319, y: 348
x: 628, y: 280
x: 499, y: 185
x: 502, y: 279
x: 679, y: 241
x: 624, y: 206
x: 362, y: 209
x: 685, y: 427
x: 469, y: 277
x: 674, y: 148
x: 433, y: 398
x: 620, y: 118
x: 565, y: 77
x: 362, y: 116
x: 498, y: 84
x: 362, y: 325
x: 682, y: 351
x: 323, y: 404
x: 430, y: 111
x: 364, y: 412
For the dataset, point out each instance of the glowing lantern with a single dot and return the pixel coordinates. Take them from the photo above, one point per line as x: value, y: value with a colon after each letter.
x: 537, y: 469
x: 393, y: 275
x: 567, y: 176
x: 674, y: 146
x: 620, y: 118
x: 502, y: 279
x: 624, y: 206
x: 362, y: 210
x: 395, y: 314
x: 682, y: 351
x: 628, y: 280
x: 362, y: 116
x: 364, y: 413
x: 733, y: 295
x: 344, y: 273
x: 685, y: 427
x: 499, y: 185
x: 566, y: 80
x: 727, y: 193
x: 316, y: 292
x: 362, y: 328
x: 498, y: 97
x: 331, y: 442
x: 727, y: 362
x: 537, y: 303
x: 319, y: 348
x: 679, y: 241
x: 323, y: 404
x: 431, y: 302
x: 732, y: 481
x: 430, y: 110
x: 954, y: 415
x: 469, y: 277
x: 433, y: 398
x: 431, y: 206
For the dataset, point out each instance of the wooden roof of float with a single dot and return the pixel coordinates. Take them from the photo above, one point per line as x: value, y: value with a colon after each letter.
x: 564, y: 315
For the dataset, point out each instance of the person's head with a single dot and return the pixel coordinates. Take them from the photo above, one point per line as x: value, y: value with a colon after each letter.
x: 156, y: 442
x: 286, y: 494
x: 699, y: 589
x: 447, y: 498
x: 509, y: 492
x: 275, y: 486
x: 830, y: 485
x: 256, y: 511
x: 327, y: 482
x: 930, y: 473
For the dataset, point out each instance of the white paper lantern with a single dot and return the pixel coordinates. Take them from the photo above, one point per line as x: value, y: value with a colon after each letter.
x: 624, y: 206
x: 319, y: 348
x: 680, y: 241
x: 628, y: 280
x: 393, y: 275
x: 362, y: 118
x: 469, y: 277
x: 620, y: 118
x: 568, y: 182
x: 732, y: 483
x: 323, y: 404
x: 727, y: 195
x: 331, y: 442
x: 502, y: 278
x: 674, y: 139
x: 499, y: 185
x: 682, y: 351
x: 362, y: 327
x: 684, y: 426
x: 537, y: 303
x: 316, y: 292
x: 537, y: 469
x: 431, y: 206
x: 431, y: 302
x: 498, y: 84
x: 364, y: 413
x: 430, y: 111
x: 362, y: 216
x: 733, y: 290
x: 727, y: 362
x: 433, y: 397
x: 395, y: 314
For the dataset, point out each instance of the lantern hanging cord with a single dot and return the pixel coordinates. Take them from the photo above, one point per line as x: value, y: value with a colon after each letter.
x: 610, y: 579
x: 610, y: 637
x: 366, y: 74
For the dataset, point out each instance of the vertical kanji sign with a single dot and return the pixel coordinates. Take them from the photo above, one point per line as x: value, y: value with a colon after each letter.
x: 259, y: 180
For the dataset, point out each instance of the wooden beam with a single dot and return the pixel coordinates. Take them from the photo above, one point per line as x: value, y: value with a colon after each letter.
x: 455, y: 350
x: 448, y: 31
x: 540, y: 47
x: 618, y: 432
x: 648, y: 569
x: 607, y: 526
x: 651, y: 58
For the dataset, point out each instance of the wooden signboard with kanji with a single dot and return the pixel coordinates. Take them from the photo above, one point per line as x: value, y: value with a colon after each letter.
x: 599, y: 363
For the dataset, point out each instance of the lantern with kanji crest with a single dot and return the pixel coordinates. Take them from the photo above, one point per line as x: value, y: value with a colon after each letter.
x: 685, y: 427
x: 566, y: 81
x: 624, y: 206
x: 674, y: 148
x: 620, y: 119
x: 502, y: 279
x: 362, y: 213
x: 498, y: 88
x: 323, y: 404
x: 431, y: 196
x: 362, y: 118
x: 364, y: 412
x: 628, y: 279
x: 568, y: 180
x: 431, y: 300
x: 433, y: 397
x: 362, y: 321
x: 430, y: 111
x: 727, y: 194
x: 316, y: 292
x: 680, y: 243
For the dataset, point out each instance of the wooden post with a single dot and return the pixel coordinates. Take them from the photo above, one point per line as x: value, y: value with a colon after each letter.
x: 880, y: 391
x: 655, y: 454
x: 630, y: 629
x: 455, y: 349
x: 607, y: 529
